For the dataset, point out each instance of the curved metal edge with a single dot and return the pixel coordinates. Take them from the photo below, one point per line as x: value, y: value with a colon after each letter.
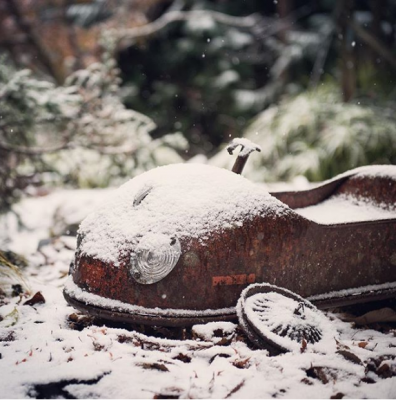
x: 251, y: 331
x: 366, y: 296
x: 260, y: 341
x: 125, y: 317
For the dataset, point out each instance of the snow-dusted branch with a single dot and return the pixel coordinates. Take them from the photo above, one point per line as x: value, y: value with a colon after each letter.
x: 33, y: 151
x: 173, y: 16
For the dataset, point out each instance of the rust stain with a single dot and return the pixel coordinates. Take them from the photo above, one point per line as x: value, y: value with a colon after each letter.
x: 284, y: 249
x: 239, y: 279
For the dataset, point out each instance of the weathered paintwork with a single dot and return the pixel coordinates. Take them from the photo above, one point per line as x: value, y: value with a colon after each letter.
x: 286, y: 250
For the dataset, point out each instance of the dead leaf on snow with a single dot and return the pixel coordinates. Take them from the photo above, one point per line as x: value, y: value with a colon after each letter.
x: 157, y: 366
x: 38, y: 298
x: 183, y: 357
x: 349, y: 356
x: 169, y: 393
x: 242, y: 364
x: 303, y: 346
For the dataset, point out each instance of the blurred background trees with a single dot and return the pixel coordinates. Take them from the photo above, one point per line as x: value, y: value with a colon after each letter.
x: 95, y: 91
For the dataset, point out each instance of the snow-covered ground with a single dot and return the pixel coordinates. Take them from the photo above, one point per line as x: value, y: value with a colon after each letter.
x: 49, y: 349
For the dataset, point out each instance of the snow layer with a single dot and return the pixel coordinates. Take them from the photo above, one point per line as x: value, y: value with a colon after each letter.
x: 342, y: 208
x: 373, y: 171
x: 77, y: 293
x: 38, y: 346
x: 181, y: 200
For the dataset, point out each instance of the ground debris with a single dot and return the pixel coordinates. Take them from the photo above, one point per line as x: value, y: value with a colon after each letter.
x: 38, y: 298
x: 56, y: 390
x: 383, y: 366
x: 235, y: 389
x: 338, y: 395
x: 348, y: 355
x: 78, y: 322
x: 156, y: 366
x: 242, y: 364
x: 221, y: 355
x: 303, y: 346
x: 169, y: 393
x: 324, y: 374
x: 183, y: 358
x: 7, y: 336
x: 307, y: 381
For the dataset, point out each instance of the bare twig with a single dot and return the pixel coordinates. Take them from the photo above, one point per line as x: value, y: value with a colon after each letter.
x: 173, y: 16
x: 236, y: 388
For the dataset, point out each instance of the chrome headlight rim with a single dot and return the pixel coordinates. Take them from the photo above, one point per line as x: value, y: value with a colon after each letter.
x: 154, y: 258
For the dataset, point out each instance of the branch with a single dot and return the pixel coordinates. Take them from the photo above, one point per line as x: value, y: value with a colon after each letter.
x: 173, y: 16
x: 34, y: 151
x: 374, y: 43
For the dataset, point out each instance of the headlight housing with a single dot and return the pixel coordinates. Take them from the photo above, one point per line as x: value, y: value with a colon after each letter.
x: 154, y: 258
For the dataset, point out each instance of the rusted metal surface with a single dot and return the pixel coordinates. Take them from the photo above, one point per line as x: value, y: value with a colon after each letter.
x: 145, y: 319
x: 365, y: 296
x: 309, y: 197
x: 285, y: 250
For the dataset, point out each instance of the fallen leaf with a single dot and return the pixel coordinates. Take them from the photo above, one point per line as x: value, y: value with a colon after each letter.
x: 367, y: 379
x: 169, y: 393
x: 303, y: 346
x: 38, y: 298
x: 349, y: 356
x: 124, y: 339
x: 306, y: 381
x: 241, y: 364
x: 219, y: 355
x: 183, y: 357
x: 318, y: 373
x: 157, y: 366
x: 385, y: 371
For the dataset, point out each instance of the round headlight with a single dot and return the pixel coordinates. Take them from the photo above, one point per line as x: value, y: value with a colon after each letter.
x: 154, y: 258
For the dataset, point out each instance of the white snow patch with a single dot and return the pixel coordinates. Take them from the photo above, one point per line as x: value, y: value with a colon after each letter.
x: 38, y: 217
x: 343, y: 208
x: 46, y: 350
x: 181, y: 200
x: 247, y: 146
x: 372, y: 171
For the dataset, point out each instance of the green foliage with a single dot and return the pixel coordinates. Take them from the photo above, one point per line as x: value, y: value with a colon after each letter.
x: 32, y: 112
x: 316, y: 135
x: 78, y: 134
x: 209, y: 79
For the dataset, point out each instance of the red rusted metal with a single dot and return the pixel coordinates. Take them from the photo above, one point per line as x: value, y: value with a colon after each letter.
x: 288, y: 250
